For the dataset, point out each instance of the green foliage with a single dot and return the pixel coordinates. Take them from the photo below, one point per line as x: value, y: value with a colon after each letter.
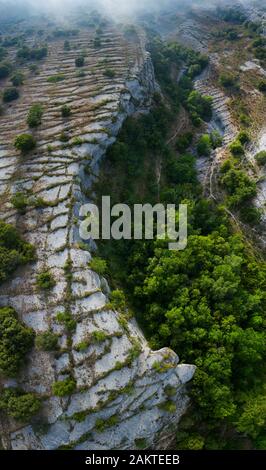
x: 35, y: 114
x: 67, y: 45
x: 184, y: 141
x: 82, y: 346
x: 25, y: 143
x: 5, y: 69
x: 20, y: 202
x: 13, y: 251
x: 17, y: 79
x: 204, y: 146
x: 19, y: 405
x: 10, y: 94
x: 37, y: 53
x: 199, y: 106
x: 99, y: 336
x: 45, y: 281
x: 168, y: 406
x: 141, y: 443
x: 243, y: 137
x: 103, y: 424
x: 56, y: 78
x: 80, y: 61
x: 239, y: 187
x: 118, y: 300
x: 236, y: 148
x: 191, y: 442
x: 252, y: 420
x: 16, y: 340
x: 229, y: 81
x: 46, y: 341
x: 250, y: 214
x: 98, y: 265
x: 109, y: 73
x: 65, y: 111
x: 64, y: 387
x: 66, y: 319
x: 262, y: 86
x: 261, y: 158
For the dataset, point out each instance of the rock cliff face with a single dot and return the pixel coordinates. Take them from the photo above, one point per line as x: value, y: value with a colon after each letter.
x: 119, y: 377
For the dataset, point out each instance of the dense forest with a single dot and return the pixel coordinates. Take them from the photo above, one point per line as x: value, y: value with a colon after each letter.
x: 208, y: 301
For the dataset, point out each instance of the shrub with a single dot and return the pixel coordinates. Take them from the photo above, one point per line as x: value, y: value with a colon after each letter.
x: 20, y: 202
x: 228, y: 80
x: 236, y: 148
x: 168, y: 406
x: 64, y: 387
x: 239, y: 186
x: 16, y: 340
x: 261, y: 158
x: 10, y: 94
x: 19, y: 405
x: 80, y: 61
x: 262, y: 86
x: 17, y: 79
x: 216, y: 139
x: 250, y: 215
x: 5, y: 69
x: 141, y: 443
x: 65, y: 111
x: 109, y: 73
x: 204, y: 146
x: 243, y: 137
x: 102, y: 424
x: 118, y: 299
x: 184, y: 141
x: 67, y: 46
x: 82, y: 346
x: 99, y: 336
x: 45, y: 280
x: 56, y: 78
x: 35, y: 114
x: 13, y: 251
x: 25, y: 143
x: 199, y: 106
x: 46, y: 341
x: 66, y: 319
x: 98, y: 265
x: 37, y: 53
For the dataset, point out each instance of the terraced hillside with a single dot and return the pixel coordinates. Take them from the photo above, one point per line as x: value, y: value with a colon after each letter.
x: 119, y: 397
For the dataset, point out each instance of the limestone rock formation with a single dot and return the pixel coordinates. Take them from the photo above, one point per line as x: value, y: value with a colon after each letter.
x: 121, y: 385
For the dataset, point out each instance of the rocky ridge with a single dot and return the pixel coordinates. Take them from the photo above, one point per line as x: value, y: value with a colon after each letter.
x: 121, y: 384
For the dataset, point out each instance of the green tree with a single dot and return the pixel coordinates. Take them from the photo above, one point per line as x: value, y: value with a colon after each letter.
x: 16, y: 340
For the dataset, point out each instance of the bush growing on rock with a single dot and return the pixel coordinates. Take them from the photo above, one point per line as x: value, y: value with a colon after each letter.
x: 17, y: 79
x: 204, y: 146
x: 237, y: 149
x: 66, y: 319
x: 20, y: 202
x: 199, y: 105
x: 25, y: 143
x: 98, y: 265
x: 243, y: 137
x: 10, y: 94
x: 262, y: 86
x: 184, y: 141
x: 13, y: 251
x: 35, y: 114
x: 228, y: 80
x: 64, y: 387
x: 56, y: 78
x: 65, y: 111
x: 45, y: 280
x: 109, y: 73
x: 239, y: 186
x: 5, y: 69
x: 37, y: 53
x: 16, y: 340
x: 18, y: 404
x: 46, y: 341
x: 80, y: 61
x: 261, y: 158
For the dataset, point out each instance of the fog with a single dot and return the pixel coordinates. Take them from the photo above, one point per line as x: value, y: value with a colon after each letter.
x: 114, y: 8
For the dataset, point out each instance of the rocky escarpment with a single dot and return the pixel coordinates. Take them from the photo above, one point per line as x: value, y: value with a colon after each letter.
x: 121, y: 385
